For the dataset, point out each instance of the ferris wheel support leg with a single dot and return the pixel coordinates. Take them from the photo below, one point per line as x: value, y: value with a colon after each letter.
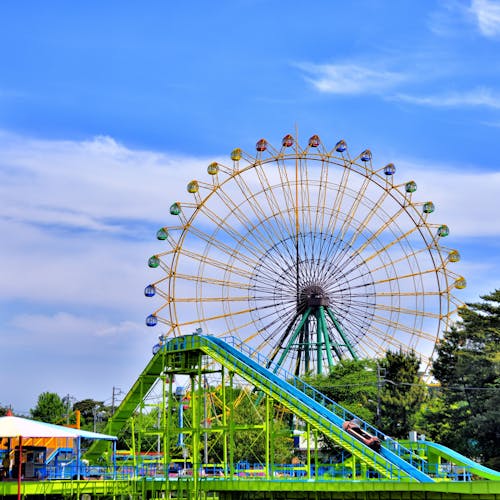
x: 319, y: 348
x: 321, y: 319
x: 339, y: 329
x: 292, y: 339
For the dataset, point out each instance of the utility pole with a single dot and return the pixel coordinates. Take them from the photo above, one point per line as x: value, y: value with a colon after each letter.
x: 67, y: 399
x: 116, y: 392
x: 380, y: 379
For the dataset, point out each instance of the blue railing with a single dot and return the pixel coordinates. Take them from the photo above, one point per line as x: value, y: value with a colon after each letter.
x: 242, y: 471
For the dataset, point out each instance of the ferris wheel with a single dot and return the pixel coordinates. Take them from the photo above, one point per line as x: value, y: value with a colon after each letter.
x: 309, y: 255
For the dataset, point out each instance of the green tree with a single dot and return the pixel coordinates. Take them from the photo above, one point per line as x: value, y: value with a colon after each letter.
x: 49, y: 408
x: 92, y: 413
x: 403, y: 393
x: 353, y: 385
x: 468, y: 370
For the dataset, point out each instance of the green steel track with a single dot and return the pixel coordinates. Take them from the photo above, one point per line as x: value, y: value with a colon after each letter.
x: 404, y: 475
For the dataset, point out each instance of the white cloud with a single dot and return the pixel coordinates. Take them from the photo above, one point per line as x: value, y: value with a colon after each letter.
x: 350, y: 78
x: 452, y: 17
x: 487, y: 16
x: 85, y: 184
x: 483, y: 97
x: 64, y: 325
x: 461, y: 199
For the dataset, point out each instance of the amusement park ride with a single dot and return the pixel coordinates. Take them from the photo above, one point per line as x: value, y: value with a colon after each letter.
x: 283, y: 262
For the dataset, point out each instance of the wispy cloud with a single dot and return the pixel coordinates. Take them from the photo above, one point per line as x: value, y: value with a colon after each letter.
x: 350, y: 78
x: 354, y: 79
x: 482, y: 97
x: 487, y: 16
x: 452, y: 17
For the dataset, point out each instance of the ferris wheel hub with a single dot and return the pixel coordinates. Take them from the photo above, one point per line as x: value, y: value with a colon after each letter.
x: 313, y: 296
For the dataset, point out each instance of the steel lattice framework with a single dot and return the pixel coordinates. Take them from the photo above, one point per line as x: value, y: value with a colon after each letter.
x: 307, y: 254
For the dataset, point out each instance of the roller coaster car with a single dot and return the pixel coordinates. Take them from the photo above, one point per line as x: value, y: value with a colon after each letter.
x: 353, y: 427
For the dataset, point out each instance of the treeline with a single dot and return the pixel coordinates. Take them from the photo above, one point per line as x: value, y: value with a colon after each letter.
x: 461, y: 409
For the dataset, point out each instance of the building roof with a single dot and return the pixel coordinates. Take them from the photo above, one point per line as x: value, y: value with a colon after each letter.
x: 23, y: 427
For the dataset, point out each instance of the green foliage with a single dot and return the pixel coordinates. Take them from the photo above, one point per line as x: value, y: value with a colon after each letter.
x: 353, y: 385
x: 3, y: 410
x: 392, y: 385
x: 402, y: 394
x: 49, y: 408
x: 465, y: 412
x: 92, y: 411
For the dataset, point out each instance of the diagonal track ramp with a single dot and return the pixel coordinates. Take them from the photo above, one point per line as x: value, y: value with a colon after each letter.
x: 292, y: 394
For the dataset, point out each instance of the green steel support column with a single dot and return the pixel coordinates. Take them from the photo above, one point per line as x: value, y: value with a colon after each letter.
x: 319, y: 347
x: 339, y: 329
x: 308, y: 459
x: 167, y: 426
x: 268, y: 438
x: 140, y: 420
x: 231, y: 425
x: 307, y: 354
x: 195, y: 429
x: 272, y: 453
x: 322, y: 319
x: 224, y: 421
x: 292, y: 339
x: 134, y: 450
x: 316, y: 453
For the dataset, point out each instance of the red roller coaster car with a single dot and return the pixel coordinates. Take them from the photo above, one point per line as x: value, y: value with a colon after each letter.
x: 353, y: 427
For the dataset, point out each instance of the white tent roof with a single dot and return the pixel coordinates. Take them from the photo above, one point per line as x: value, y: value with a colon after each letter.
x: 26, y: 428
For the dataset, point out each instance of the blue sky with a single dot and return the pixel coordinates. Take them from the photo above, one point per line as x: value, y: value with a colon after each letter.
x: 107, y: 109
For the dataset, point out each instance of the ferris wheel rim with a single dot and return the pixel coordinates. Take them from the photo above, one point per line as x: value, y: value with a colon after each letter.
x: 374, y: 176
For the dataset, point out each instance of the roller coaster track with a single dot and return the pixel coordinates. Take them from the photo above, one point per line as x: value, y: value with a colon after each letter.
x: 392, y: 462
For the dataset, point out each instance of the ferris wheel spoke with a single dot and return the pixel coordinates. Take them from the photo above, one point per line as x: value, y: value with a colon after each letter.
x: 389, y: 262
x: 223, y: 224
x: 375, y: 209
x: 403, y: 277
x: 245, y: 246
x: 350, y: 216
x: 207, y: 319
x: 373, y: 237
x: 205, y: 300
x: 276, y: 195
x: 275, y: 231
x: 229, y: 251
x: 213, y: 281
x: 276, y: 226
x: 410, y: 312
x: 215, y: 263
x: 400, y: 327
x: 339, y: 201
